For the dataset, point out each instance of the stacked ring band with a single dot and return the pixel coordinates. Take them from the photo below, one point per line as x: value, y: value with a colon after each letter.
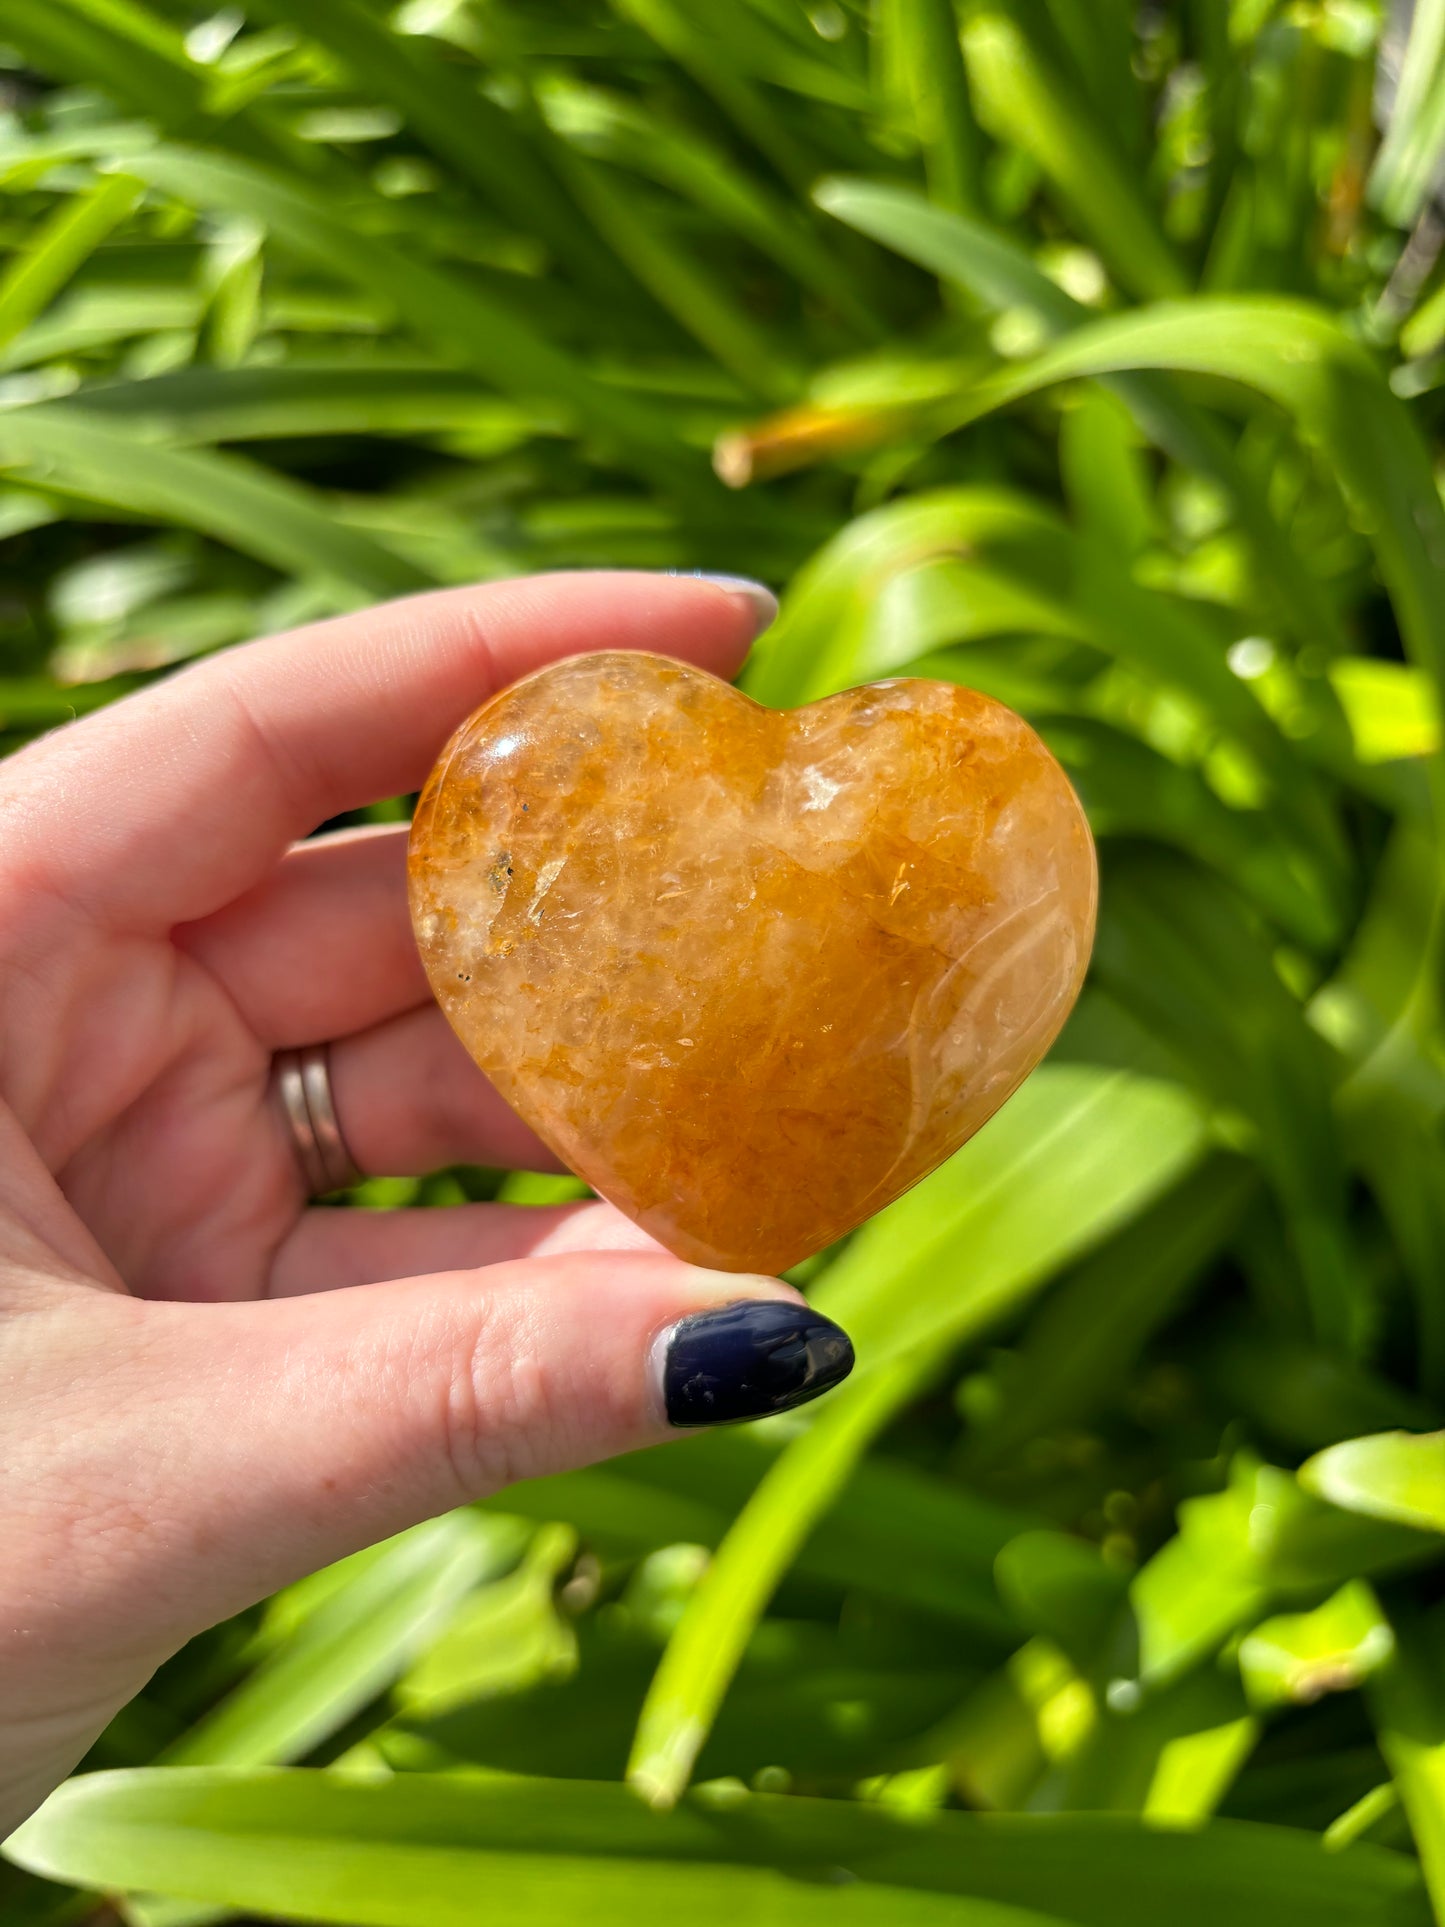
x: 303, y: 1085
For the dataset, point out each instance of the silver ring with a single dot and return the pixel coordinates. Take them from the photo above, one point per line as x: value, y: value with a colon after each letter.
x: 303, y: 1085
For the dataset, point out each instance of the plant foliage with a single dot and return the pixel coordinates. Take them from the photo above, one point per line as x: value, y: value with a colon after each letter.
x: 1088, y: 356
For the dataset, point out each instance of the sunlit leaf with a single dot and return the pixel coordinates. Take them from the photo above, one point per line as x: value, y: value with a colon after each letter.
x: 32, y: 280
x: 1408, y: 1700
x: 1299, y: 1656
x: 416, y: 1852
x: 1265, y: 1538
x: 348, y: 1647
x: 261, y: 513
x: 1393, y: 1475
x: 469, y: 326
x: 1074, y: 1153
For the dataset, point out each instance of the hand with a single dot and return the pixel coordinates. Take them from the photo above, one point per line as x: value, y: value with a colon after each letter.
x: 206, y: 1388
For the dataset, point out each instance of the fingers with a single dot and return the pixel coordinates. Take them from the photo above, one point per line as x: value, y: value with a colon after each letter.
x: 409, y: 1100
x: 331, y: 1250
x: 255, y: 1443
x: 322, y: 945
x: 163, y: 807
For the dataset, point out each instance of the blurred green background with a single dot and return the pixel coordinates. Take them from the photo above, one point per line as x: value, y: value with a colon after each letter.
x: 1089, y: 354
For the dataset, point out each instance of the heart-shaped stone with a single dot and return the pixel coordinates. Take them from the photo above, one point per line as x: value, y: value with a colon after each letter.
x: 751, y: 973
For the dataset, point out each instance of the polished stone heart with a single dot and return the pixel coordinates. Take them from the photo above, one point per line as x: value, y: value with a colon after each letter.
x: 751, y: 973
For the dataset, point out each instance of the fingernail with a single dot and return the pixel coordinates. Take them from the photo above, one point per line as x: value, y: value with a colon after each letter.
x: 763, y: 602
x: 747, y: 1359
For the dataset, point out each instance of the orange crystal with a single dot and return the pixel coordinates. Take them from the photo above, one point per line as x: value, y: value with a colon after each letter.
x: 751, y: 973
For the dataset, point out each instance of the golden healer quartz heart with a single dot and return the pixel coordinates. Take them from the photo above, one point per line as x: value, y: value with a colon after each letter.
x: 751, y: 973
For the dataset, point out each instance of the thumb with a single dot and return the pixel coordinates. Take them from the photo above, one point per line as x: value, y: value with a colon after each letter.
x: 294, y: 1432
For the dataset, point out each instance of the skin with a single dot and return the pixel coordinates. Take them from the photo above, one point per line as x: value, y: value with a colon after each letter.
x: 208, y: 1388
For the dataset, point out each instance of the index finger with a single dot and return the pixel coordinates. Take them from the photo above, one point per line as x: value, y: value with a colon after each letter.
x: 163, y: 807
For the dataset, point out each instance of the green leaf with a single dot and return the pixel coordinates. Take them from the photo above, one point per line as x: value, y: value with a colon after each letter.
x: 1392, y: 1475
x: 461, y: 125
x: 416, y: 1852
x: 1076, y: 1153
x: 1393, y: 709
x: 1168, y: 1751
x: 703, y: 1654
x: 33, y: 278
x: 1030, y: 101
x: 386, y: 1605
x: 825, y: 1707
x: 617, y: 128
x: 1104, y: 474
x: 1265, y: 1538
x: 89, y: 319
x: 1298, y: 1656
x: 1300, y: 1393
x: 696, y: 297
x: 899, y: 1533
x: 262, y: 514
x: 1407, y: 166
x: 204, y: 405
x: 1423, y: 333
x: 713, y: 63
x: 1072, y: 1155
x: 1195, y: 1771
x: 504, y: 1636
x: 924, y: 45
x: 1181, y: 956
x: 1407, y: 1699
x: 1132, y: 790
x: 1298, y: 357
x: 1093, y: 1326
x: 139, y: 59
x: 1060, y: 1587
x: 1002, y: 276
x: 470, y: 327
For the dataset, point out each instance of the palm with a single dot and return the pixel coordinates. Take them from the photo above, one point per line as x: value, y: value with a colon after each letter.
x: 182, y: 1175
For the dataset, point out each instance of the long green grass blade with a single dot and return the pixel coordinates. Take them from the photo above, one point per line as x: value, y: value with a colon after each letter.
x: 34, y: 278
x: 1074, y: 1152
x: 201, y: 405
x: 925, y: 44
x: 1408, y: 165
x: 710, y: 62
x: 468, y: 326
x: 1098, y: 1320
x: 415, y: 1852
x: 462, y: 126
x: 1001, y: 275
x: 1032, y: 103
x: 696, y: 298
x: 138, y: 59
x: 703, y: 1655
x: 262, y: 514
x: 1407, y: 1699
x: 360, y: 1638
x: 1301, y: 360
x: 614, y: 128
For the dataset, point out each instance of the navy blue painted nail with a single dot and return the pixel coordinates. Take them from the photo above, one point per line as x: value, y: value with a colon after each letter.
x: 745, y: 1360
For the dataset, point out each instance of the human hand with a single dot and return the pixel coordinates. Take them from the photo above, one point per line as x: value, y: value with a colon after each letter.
x: 210, y: 1389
